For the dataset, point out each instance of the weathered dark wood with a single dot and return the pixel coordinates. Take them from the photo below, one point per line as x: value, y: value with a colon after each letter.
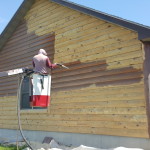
x: 106, y: 70
x: 85, y: 74
x: 18, y: 53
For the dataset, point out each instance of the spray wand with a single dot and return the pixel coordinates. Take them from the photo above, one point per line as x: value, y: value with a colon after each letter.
x: 61, y: 65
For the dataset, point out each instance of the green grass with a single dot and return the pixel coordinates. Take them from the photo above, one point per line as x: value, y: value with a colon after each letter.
x: 11, y: 147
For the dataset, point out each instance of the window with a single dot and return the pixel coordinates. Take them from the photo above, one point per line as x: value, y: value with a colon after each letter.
x: 25, y: 94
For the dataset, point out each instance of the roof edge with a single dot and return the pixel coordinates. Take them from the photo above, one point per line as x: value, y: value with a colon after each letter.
x: 142, y: 30
x: 14, y: 22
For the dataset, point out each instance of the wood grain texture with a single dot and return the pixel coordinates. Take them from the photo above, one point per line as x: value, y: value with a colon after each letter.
x: 102, y: 92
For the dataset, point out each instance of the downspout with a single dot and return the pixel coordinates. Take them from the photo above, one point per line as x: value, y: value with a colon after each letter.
x: 146, y: 72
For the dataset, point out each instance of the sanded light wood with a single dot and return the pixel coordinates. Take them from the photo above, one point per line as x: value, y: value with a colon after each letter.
x: 91, y: 130
x: 82, y: 117
x: 102, y: 93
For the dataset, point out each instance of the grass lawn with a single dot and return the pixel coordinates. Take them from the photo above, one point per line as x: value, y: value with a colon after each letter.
x: 12, y: 147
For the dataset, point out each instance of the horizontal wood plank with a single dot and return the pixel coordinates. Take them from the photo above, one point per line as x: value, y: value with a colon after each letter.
x: 102, y: 92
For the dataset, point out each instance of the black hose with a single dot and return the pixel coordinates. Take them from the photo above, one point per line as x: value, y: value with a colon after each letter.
x: 18, y: 110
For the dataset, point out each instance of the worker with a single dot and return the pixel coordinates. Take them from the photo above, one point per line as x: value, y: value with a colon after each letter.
x: 41, y: 80
x: 41, y: 62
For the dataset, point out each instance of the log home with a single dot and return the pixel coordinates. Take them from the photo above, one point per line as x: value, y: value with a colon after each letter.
x: 104, y: 96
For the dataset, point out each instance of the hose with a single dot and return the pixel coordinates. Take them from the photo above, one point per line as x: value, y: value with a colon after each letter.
x: 20, y: 80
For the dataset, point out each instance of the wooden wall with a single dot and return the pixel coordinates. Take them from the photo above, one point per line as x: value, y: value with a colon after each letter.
x: 101, y: 93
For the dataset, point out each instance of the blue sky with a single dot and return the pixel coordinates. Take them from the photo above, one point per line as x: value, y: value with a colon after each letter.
x: 133, y: 10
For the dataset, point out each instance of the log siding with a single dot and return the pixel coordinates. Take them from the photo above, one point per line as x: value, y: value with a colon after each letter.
x: 102, y: 92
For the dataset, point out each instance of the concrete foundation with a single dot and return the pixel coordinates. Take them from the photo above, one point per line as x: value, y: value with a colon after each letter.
x: 75, y: 139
